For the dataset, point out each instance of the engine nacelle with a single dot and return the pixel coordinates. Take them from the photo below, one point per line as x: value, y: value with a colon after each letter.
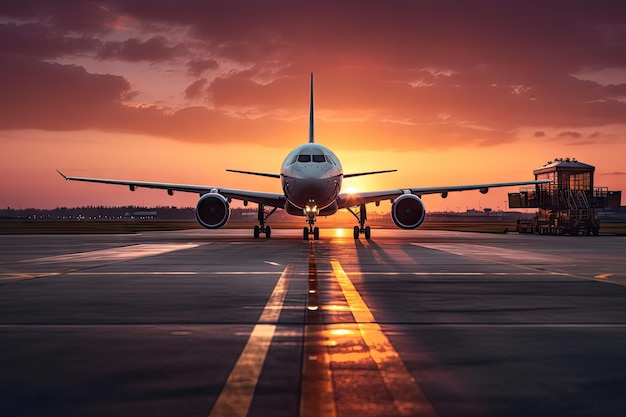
x: 407, y: 211
x: 212, y: 211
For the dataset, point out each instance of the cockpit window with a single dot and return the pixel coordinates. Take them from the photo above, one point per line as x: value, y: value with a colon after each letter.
x: 304, y: 158
x: 319, y: 158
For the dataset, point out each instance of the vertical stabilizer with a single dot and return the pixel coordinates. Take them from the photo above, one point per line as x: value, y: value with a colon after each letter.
x: 311, y: 128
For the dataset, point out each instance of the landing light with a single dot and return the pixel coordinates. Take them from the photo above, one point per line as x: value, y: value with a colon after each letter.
x: 351, y: 189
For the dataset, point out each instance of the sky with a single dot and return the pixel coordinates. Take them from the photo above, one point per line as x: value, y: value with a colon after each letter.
x: 447, y: 92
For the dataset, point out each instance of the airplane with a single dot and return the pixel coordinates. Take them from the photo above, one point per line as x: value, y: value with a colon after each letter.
x: 311, y: 177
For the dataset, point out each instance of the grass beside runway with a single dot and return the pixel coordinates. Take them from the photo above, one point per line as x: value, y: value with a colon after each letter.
x: 9, y: 227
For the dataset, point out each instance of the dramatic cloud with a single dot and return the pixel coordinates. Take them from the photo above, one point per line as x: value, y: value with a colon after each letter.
x: 41, y: 41
x: 573, y: 135
x: 418, y: 74
x: 198, y: 66
x: 195, y: 89
x: 80, y: 16
x: 134, y: 49
x: 44, y: 95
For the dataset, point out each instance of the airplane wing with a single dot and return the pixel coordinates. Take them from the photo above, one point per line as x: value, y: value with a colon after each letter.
x: 354, y: 199
x: 358, y: 174
x: 269, y: 199
x: 261, y: 174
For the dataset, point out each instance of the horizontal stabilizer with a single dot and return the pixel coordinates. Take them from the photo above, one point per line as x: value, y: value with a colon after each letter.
x: 262, y: 174
x: 358, y: 174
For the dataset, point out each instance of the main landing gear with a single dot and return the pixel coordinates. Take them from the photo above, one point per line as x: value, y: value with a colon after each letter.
x: 263, y: 215
x: 361, y: 217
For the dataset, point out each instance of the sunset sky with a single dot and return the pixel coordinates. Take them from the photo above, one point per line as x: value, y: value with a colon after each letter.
x: 447, y: 92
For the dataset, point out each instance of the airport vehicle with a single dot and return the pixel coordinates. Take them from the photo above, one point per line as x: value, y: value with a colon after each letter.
x: 311, y: 177
x: 567, y: 206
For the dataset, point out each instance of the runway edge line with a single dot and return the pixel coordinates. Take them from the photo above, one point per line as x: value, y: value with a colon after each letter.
x: 236, y: 396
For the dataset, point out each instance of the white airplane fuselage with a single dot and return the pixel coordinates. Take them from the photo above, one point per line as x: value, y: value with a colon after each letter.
x: 311, y: 177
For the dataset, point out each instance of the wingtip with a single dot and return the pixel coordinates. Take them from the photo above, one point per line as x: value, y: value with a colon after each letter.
x: 61, y: 174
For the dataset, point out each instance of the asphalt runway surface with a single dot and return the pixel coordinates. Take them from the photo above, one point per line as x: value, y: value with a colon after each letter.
x: 216, y: 323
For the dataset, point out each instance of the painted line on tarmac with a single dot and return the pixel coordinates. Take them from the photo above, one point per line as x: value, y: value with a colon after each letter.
x: 116, y: 254
x: 105, y: 273
x: 464, y: 274
x: 409, y: 400
x: 317, y: 397
x: 493, y: 253
x: 27, y: 275
x: 22, y: 276
x: 236, y: 396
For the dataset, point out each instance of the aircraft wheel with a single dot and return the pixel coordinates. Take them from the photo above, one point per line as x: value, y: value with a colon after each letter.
x: 316, y: 233
x: 305, y: 233
x: 268, y: 232
x: 368, y: 232
x: 257, y: 232
x: 356, y: 232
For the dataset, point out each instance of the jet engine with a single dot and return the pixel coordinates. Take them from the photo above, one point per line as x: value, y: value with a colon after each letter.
x: 212, y: 211
x: 407, y: 211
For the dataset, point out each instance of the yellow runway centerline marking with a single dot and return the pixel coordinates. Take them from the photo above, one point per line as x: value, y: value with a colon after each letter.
x: 236, y: 396
x: 408, y: 398
x: 317, y: 397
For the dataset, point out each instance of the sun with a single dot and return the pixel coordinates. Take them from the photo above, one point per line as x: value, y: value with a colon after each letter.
x: 351, y: 189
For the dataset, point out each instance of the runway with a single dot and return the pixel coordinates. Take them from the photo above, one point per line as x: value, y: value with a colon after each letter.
x: 216, y: 323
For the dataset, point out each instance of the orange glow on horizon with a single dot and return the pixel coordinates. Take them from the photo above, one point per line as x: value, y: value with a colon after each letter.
x: 98, y: 154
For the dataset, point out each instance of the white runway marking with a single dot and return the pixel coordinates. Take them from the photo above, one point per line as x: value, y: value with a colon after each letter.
x: 104, y: 273
x: 492, y: 253
x: 116, y: 254
x: 19, y: 276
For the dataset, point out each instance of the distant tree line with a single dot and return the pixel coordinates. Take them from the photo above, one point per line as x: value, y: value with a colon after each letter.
x: 145, y: 213
x: 126, y: 212
x: 99, y: 213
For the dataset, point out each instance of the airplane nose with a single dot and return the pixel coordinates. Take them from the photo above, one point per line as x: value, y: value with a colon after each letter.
x: 313, y: 189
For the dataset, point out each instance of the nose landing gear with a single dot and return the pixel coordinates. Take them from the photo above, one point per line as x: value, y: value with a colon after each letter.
x: 308, y: 231
x: 311, y: 211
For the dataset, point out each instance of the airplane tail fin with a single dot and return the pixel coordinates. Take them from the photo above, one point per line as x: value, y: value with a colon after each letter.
x: 311, y: 128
